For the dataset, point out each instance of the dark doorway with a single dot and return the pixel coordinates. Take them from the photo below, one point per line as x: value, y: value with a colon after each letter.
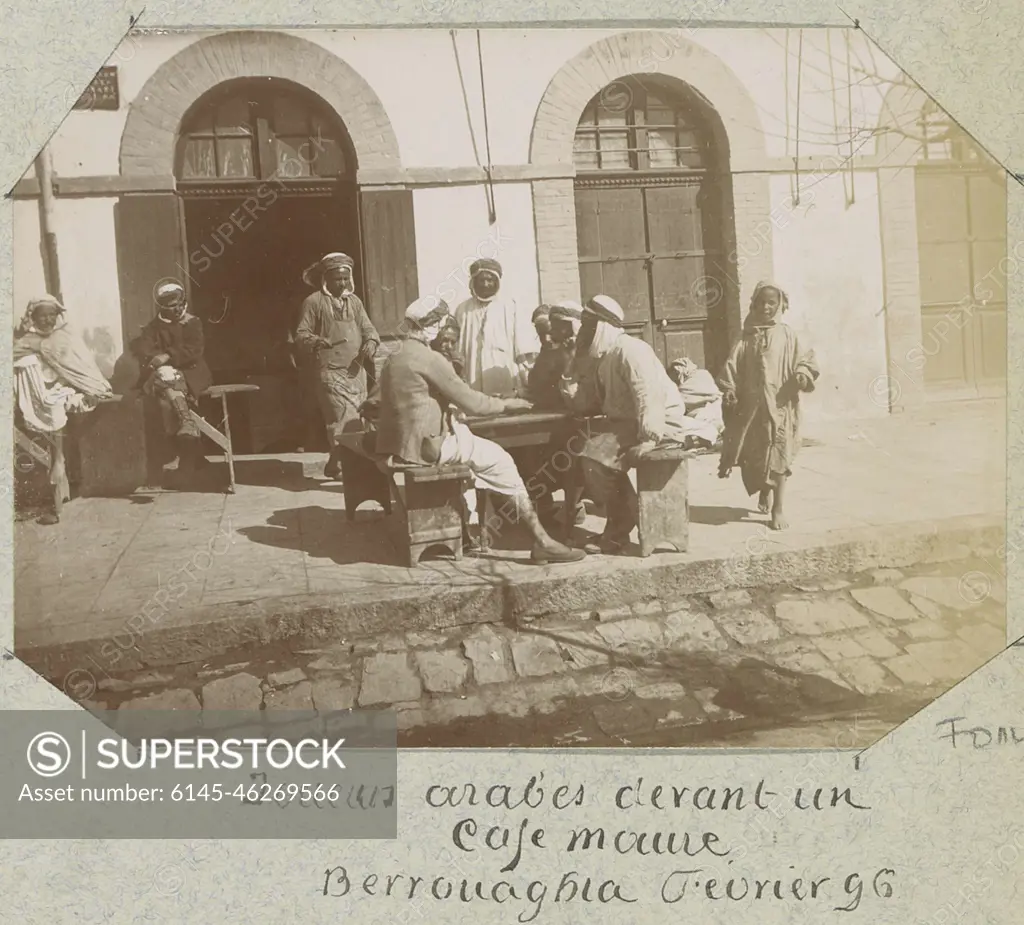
x: 266, y: 174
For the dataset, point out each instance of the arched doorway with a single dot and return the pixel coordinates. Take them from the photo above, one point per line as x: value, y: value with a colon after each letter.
x: 961, y: 232
x: 266, y: 175
x: 652, y: 195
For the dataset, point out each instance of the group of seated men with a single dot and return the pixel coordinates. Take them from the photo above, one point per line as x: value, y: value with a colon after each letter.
x: 485, y: 358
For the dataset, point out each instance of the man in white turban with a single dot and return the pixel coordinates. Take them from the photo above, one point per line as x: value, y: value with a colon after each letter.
x: 336, y: 340
x: 415, y: 425
x: 497, y: 339
x: 621, y: 377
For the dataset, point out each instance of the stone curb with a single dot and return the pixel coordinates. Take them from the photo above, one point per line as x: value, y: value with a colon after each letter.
x: 320, y: 620
x: 833, y: 643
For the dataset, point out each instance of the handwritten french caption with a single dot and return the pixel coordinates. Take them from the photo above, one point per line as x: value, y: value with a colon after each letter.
x: 534, y: 847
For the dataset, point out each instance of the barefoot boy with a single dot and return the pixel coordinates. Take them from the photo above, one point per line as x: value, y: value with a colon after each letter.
x: 761, y: 384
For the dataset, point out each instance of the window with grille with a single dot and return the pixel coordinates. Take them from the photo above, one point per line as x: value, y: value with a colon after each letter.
x: 943, y: 140
x: 260, y: 134
x: 636, y: 125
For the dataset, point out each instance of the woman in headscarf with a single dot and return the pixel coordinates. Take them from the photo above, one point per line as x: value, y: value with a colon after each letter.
x: 173, y: 369
x: 619, y: 376
x: 338, y: 340
x: 761, y: 385
x: 54, y: 374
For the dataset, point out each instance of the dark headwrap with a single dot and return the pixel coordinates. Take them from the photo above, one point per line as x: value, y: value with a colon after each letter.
x: 485, y: 263
x: 313, y: 276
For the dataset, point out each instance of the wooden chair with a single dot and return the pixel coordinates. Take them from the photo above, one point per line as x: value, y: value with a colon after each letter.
x: 662, y: 488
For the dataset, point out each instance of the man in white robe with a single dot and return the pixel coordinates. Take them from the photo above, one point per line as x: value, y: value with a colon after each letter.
x: 498, y: 342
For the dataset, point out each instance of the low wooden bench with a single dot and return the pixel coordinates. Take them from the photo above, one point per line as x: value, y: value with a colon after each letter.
x: 223, y: 440
x: 430, y: 510
x: 662, y: 488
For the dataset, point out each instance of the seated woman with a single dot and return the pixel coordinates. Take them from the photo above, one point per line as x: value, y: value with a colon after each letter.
x: 54, y: 374
x: 173, y: 370
x: 703, y: 400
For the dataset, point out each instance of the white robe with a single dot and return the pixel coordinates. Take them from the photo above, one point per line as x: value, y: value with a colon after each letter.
x: 498, y: 344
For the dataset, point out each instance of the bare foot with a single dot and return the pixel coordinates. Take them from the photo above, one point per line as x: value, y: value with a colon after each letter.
x: 778, y: 522
x: 764, y: 502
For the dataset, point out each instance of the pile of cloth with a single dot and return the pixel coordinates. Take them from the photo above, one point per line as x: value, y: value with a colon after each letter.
x: 702, y: 397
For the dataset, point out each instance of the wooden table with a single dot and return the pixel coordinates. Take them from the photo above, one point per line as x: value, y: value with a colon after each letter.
x: 530, y: 428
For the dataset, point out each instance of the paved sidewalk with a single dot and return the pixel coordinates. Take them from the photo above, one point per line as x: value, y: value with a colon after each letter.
x: 282, y: 545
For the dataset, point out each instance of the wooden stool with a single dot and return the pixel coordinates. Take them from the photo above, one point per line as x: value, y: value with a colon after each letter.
x: 431, y: 507
x: 663, y: 499
x: 223, y: 440
x: 361, y: 477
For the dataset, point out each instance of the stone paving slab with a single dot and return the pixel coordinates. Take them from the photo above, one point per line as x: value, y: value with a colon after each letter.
x: 637, y: 674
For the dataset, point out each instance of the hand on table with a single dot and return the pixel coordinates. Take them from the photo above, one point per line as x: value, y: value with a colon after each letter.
x: 517, y: 404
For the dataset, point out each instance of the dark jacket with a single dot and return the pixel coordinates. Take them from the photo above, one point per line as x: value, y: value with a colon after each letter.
x: 551, y: 364
x: 416, y: 386
x: 183, y: 343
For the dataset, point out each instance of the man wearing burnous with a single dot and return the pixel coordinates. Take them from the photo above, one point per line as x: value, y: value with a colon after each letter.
x: 337, y: 339
x: 497, y: 341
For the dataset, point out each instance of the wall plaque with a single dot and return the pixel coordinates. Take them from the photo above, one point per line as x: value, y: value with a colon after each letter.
x: 102, y: 92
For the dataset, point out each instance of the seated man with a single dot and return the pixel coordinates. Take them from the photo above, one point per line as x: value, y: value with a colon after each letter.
x: 173, y: 370
x: 557, y: 326
x: 619, y: 376
x: 416, y: 427
x: 447, y: 344
x: 703, y: 401
x: 55, y: 375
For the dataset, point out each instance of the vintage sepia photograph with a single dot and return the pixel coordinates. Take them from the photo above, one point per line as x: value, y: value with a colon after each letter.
x: 549, y: 387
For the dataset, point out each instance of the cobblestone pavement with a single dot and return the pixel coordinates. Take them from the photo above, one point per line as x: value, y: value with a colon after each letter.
x: 701, y: 670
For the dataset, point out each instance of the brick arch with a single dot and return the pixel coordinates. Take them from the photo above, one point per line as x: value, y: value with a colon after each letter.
x: 155, y: 115
x: 647, y: 52
x: 739, y: 140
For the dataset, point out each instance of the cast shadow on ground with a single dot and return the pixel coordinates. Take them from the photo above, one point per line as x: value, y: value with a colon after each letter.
x: 716, y: 515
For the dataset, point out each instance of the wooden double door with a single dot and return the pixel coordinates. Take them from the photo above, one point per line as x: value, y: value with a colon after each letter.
x: 654, y: 244
x: 961, y: 230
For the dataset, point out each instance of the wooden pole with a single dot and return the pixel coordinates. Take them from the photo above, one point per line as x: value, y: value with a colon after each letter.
x: 47, y: 223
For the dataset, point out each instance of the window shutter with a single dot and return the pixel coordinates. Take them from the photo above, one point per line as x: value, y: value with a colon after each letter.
x: 148, y: 232
x: 389, y: 256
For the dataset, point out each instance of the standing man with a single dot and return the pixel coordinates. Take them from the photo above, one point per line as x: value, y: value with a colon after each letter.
x: 173, y: 369
x: 337, y: 340
x: 497, y: 341
x: 627, y: 384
